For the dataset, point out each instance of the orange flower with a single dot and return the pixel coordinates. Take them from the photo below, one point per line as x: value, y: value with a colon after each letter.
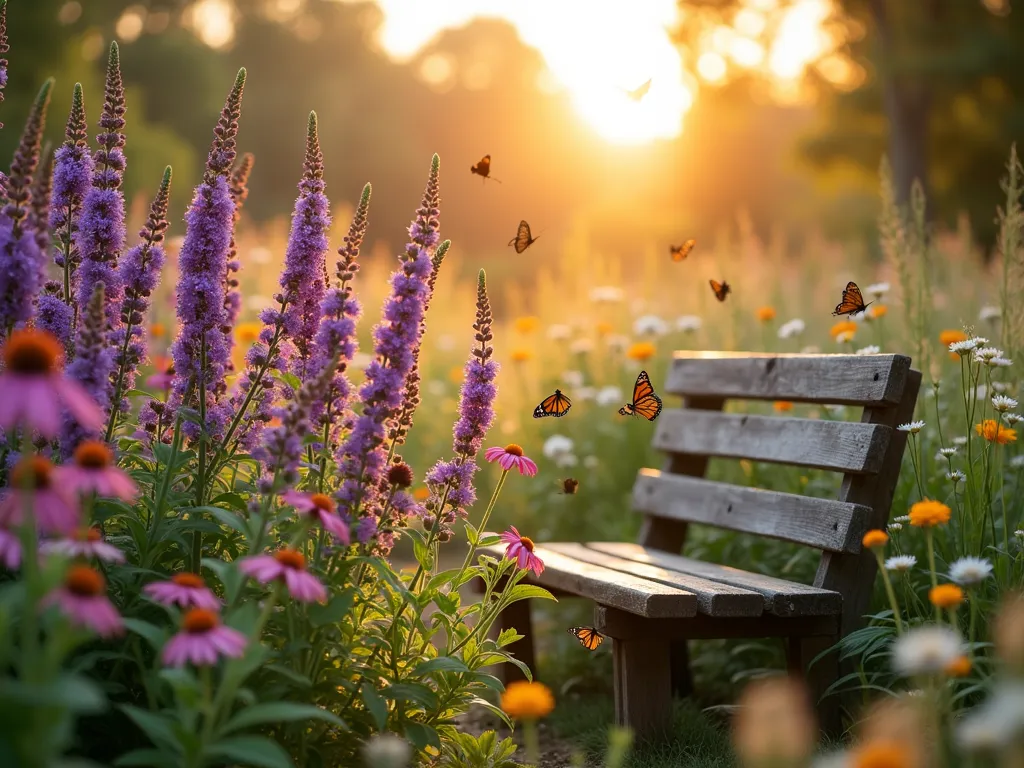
x: 952, y: 337
x: 782, y: 406
x: 959, y: 667
x: 881, y: 754
x: 641, y: 350
x: 157, y: 330
x: 421, y: 494
x: 877, y: 311
x: 527, y: 701
x: 928, y: 513
x: 520, y: 355
x: 604, y: 328
x: 456, y: 375
x: 995, y: 432
x: 843, y: 326
x: 766, y: 313
x: 875, y: 538
x: 946, y: 596
x: 247, y: 333
x: 527, y: 324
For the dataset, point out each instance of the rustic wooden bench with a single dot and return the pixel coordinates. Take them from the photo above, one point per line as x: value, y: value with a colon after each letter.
x: 649, y: 599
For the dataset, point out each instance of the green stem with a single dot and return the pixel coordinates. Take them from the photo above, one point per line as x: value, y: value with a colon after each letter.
x: 931, y: 566
x: 483, y: 524
x: 889, y: 593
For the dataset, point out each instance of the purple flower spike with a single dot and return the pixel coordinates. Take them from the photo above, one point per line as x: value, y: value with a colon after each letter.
x: 303, y: 281
x: 90, y: 368
x: 4, y: 48
x: 200, y: 354
x: 21, y: 262
x: 239, y: 185
x: 362, y: 458
x: 42, y: 190
x: 101, y: 232
x: 139, y: 274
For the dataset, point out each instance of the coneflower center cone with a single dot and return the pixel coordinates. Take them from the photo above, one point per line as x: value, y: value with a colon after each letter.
x: 32, y: 352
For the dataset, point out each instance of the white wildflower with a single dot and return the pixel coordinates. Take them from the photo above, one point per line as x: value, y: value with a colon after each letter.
x: 385, y: 750
x: 895, y: 527
x: 1000, y: 362
x: 926, y: 650
x: 436, y: 387
x: 584, y: 394
x: 581, y: 346
x: 573, y: 378
x: 870, y: 349
x: 878, y: 290
x: 835, y: 410
x: 845, y: 337
x: 617, y: 342
x: 990, y: 313
x: 965, y: 347
x: 566, y: 460
x: 791, y: 328
x: 913, y: 427
x: 956, y: 476
x: 688, y: 323
x: 996, y: 723
x: 969, y: 571
x: 1003, y: 403
x: 1012, y: 418
x: 650, y: 325
x: 985, y: 354
x: 960, y: 440
x: 559, y: 332
x: 591, y: 462
x: 1017, y: 462
x: 952, y: 451
x: 557, y: 445
x: 606, y: 294
x: 902, y: 519
x: 981, y: 392
x: 1001, y: 387
x: 1019, y: 534
x: 609, y: 396
x: 900, y: 563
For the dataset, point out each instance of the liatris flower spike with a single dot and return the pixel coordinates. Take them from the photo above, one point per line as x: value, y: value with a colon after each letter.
x: 511, y: 457
x: 93, y: 471
x: 33, y: 391
x: 86, y: 543
x: 287, y: 565
x: 202, y: 641
x: 82, y: 599
x: 520, y: 548
x: 186, y: 590
x: 33, y: 486
x: 321, y: 508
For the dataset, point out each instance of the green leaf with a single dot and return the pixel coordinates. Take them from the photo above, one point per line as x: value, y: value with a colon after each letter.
x: 526, y: 592
x: 225, y: 516
x: 423, y: 555
x: 279, y: 712
x: 441, y: 664
x: 159, y: 729
x: 257, y: 751
x: 418, y: 694
x: 472, y: 534
x: 232, y: 500
x: 152, y: 634
x: 147, y: 758
x: 493, y: 709
x: 375, y: 705
x: 422, y: 736
x: 490, y: 541
x: 334, y: 611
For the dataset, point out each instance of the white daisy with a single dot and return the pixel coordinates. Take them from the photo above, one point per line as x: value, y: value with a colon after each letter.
x: 606, y: 294
x: 956, y: 476
x: 1019, y: 533
x: 981, y: 392
x: 559, y: 332
x: 1000, y: 362
x: 913, y: 427
x: 617, y: 342
x: 791, y: 328
x: 895, y: 527
x: 1012, y: 418
x: 985, y: 354
x: 960, y: 440
x: 870, y: 349
x: 1017, y: 462
x: 968, y: 571
x: 989, y: 312
x: 584, y: 394
x: 386, y: 750
x: 1000, y: 387
x: 1003, y: 403
x: 581, y: 346
x: 926, y: 650
x: 591, y: 462
x: 965, y: 347
x: 994, y: 724
x: 902, y: 519
x: 608, y: 396
x: 688, y: 323
x: 557, y: 445
x: 878, y: 290
x: 572, y: 378
x: 900, y: 563
x: 566, y: 460
x: 650, y: 325
x: 952, y: 451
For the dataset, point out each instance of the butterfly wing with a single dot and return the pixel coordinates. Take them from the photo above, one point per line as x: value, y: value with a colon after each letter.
x: 853, y: 301
x: 645, y: 402
x: 588, y: 637
x: 556, y: 405
x: 681, y: 252
x: 523, y: 238
x: 720, y: 289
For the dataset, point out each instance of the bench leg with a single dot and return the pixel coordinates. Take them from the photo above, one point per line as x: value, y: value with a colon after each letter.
x: 800, y: 652
x: 682, y: 678
x: 643, y: 685
x: 517, y: 616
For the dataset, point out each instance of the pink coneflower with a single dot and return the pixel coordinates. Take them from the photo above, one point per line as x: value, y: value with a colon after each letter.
x: 321, y: 507
x: 163, y: 377
x: 94, y: 471
x: 82, y: 598
x: 203, y: 640
x: 187, y: 590
x: 87, y: 542
x: 520, y: 549
x: 290, y: 566
x: 511, y: 456
x: 33, y: 391
x: 53, y: 508
x: 10, y: 550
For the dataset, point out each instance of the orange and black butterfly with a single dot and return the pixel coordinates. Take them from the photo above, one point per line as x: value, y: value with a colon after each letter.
x: 569, y: 485
x: 638, y: 93
x: 645, y: 402
x: 721, y: 289
x: 853, y: 301
x: 556, y: 405
x: 680, y: 252
x: 588, y: 637
x: 483, y: 168
x: 523, y: 238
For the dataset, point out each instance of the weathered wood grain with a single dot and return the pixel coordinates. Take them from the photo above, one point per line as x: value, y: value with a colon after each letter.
x: 714, y: 598
x: 822, y: 523
x: 615, y: 623
x: 782, y: 598
x: 834, y: 445
x: 603, y: 585
x: 845, y: 379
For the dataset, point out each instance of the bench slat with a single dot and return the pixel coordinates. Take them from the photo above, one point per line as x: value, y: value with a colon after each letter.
x: 714, y: 598
x: 782, y: 598
x: 835, y: 445
x: 826, y: 524
x: 870, y: 380
x: 608, y: 587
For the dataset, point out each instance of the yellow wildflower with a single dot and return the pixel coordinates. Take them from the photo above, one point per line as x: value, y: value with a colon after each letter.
x: 765, y: 313
x: 527, y: 701
x: 456, y: 374
x: 946, y: 596
x: 527, y: 324
x: 843, y: 326
x: 604, y: 328
x: 928, y: 513
x: 247, y: 333
x: 641, y: 350
x: 875, y: 538
x: 877, y: 311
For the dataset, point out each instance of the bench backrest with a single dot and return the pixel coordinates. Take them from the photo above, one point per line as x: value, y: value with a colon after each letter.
x: 868, y: 454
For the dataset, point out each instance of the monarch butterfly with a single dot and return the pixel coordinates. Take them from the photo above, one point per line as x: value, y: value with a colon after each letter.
x: 645, y: 402
x: 853, y: 301
x: 483, y: 168
x: 569, y: 485
x: 680, y: 252
x: 589, y: 637
x: 556, y: 405
x: 523, y: 238
x: 721, y: 289
x: 640, y: 92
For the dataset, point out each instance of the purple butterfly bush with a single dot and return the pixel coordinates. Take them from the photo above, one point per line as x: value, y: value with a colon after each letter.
x: 200, y: 353
x: 239, y: 186
x: 22, y: 269
x: 451, y: 482
x: 4, y: 48
x: 139, y: 273
x: 42, y: 190
x: 100, y: 237
x: 363, y: 456
x: 90, y: 367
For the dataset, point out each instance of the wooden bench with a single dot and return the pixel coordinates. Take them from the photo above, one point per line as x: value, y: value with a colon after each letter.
x: 650, y: 600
